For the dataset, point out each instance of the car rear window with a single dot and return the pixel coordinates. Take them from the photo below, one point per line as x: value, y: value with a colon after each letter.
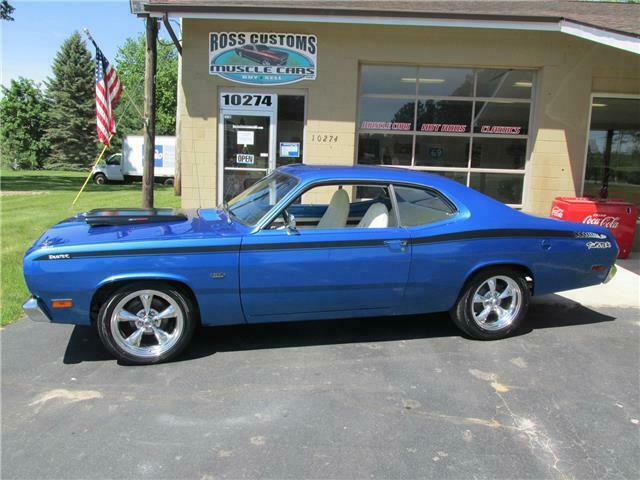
x: 418, y: 206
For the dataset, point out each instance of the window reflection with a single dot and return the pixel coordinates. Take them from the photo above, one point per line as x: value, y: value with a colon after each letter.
x: 442, y: 151
x: 501, y: 118
x: 445, y: 82
x: 378, y: 149
x: 444, y: 116
x: 386, y: 114
x: 502, y: 186
x: 613, y: 152
x: 384, y: 79
x: 504, y: 83
x: 507, y: 153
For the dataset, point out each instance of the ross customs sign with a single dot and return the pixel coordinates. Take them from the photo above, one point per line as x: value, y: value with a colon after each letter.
x: 263, y: 58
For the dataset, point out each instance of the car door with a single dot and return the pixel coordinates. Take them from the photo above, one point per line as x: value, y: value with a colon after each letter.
x: 113, y: 167
x: 323, y: 273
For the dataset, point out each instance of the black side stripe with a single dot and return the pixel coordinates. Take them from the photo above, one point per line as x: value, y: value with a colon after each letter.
x: 495, y: 233
x: 141, y: 251
x: 447, y: 237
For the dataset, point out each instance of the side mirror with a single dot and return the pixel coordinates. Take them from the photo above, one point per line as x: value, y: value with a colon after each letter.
x: 290, y: 223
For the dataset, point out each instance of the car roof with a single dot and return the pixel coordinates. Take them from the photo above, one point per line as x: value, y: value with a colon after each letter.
x: 313, y: 173
x: 459, y: 194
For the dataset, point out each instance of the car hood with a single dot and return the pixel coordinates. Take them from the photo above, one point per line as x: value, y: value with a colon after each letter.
x: 196, y: 226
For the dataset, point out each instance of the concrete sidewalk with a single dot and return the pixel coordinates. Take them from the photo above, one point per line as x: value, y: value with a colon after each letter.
x: 621, y: 292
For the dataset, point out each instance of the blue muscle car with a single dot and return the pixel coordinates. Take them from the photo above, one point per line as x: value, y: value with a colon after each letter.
x: 308, y: 242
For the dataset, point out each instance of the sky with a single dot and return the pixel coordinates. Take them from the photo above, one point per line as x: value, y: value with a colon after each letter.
x: 29, y: 43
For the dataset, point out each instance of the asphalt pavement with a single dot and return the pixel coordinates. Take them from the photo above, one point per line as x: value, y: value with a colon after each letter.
x: 372, y: 398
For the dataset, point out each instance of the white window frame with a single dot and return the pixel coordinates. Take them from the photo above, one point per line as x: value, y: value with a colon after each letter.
x: 468, y: 170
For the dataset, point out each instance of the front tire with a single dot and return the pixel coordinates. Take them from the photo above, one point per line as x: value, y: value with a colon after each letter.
x: 146, y: 322
x: 492, y: 304
x: 100, y: 179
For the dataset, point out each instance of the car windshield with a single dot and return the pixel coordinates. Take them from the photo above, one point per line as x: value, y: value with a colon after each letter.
x: 262, y: 47
x: 255, y: 202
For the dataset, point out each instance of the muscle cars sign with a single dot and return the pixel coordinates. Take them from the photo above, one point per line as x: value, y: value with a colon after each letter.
x: 256, y: 58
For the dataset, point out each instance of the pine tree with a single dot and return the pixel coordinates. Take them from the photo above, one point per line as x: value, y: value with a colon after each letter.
x: 23, y: 114
x: 71, y: 98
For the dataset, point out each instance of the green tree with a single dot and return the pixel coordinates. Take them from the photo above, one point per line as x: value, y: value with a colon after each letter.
x: 71, y: 129
x: 23, y: 114
x: 6, y: 10
x: 129, y: 63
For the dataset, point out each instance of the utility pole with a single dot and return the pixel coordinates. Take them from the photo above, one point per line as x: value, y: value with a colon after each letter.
x: 177, y: 179
x: 150, y: 61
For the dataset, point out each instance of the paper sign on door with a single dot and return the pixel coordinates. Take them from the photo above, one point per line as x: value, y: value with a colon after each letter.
x: 245, y: 137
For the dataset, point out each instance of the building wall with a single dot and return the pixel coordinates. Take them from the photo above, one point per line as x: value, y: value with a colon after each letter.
x: 569, y: 69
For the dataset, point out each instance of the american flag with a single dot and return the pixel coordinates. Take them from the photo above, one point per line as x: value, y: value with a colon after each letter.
x: 108, y: 90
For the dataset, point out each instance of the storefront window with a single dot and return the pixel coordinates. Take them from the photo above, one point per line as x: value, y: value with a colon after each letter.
x: 502, y: 186
x: 436, y: 113
x: 380, y: 149
x: 613, y: 153
x: 504, y: 83
x: 501, y: 118
x: 289, y: 144
x: 470, y: 125
x: 432, y: 151
x: 383, y: 79
x: 445, y: 82
x: 386, y: 114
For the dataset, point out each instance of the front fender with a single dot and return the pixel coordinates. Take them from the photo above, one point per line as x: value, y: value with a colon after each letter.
x: 143, y: 276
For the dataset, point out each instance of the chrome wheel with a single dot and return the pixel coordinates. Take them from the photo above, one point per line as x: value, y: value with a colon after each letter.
x: 147, y: 323
x: 496, y: 303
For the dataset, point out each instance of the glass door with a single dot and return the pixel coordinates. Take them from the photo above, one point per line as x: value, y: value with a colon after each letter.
x: 247, y: 149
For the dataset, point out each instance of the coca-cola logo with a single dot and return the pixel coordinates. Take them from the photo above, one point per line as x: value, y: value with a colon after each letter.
x: 557, y: 212
x: 602, y: 220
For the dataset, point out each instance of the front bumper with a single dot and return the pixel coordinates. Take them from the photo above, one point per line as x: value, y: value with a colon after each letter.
x: 33, y: 310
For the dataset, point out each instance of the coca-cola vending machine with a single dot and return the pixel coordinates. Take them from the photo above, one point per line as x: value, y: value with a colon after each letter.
x: 612, y: 213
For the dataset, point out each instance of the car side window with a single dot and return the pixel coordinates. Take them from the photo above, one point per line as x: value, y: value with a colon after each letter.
x: 418, y: 206
x: 114, y: 159
x: 341, y: 206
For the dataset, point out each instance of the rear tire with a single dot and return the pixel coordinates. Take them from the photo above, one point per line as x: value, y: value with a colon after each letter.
x: 146, y: 322
x: 493, y: 303
x: 100, y: 179
x: 168, y: 181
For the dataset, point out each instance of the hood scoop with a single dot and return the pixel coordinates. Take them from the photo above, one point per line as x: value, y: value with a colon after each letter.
x: 104, y: 217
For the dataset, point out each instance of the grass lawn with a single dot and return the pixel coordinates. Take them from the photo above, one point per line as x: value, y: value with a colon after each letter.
x: 33, y: 201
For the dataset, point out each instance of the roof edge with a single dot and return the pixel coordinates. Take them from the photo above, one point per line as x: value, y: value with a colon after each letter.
x: 607, y: 36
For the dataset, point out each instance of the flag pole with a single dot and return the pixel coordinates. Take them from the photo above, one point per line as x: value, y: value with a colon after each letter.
x: 105, y: 145
x: 104, y: 149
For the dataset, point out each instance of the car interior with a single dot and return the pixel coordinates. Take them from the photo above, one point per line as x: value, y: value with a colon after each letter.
x: 371, y: 207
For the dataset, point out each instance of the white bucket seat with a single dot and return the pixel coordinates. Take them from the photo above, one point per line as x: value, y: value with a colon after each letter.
x: 377, y: 216
x: 337, y: 212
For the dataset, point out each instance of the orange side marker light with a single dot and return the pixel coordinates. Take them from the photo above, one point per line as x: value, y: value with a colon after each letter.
x: 67, y: 303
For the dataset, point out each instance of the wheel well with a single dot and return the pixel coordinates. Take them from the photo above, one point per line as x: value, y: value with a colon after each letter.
x: 528, y: 274
x: 102, y: 293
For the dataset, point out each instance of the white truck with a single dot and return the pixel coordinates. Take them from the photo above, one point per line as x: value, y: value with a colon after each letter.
x: 127, y: 166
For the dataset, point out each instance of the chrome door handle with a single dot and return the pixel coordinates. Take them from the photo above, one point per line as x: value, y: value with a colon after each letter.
x: 396, y: 244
